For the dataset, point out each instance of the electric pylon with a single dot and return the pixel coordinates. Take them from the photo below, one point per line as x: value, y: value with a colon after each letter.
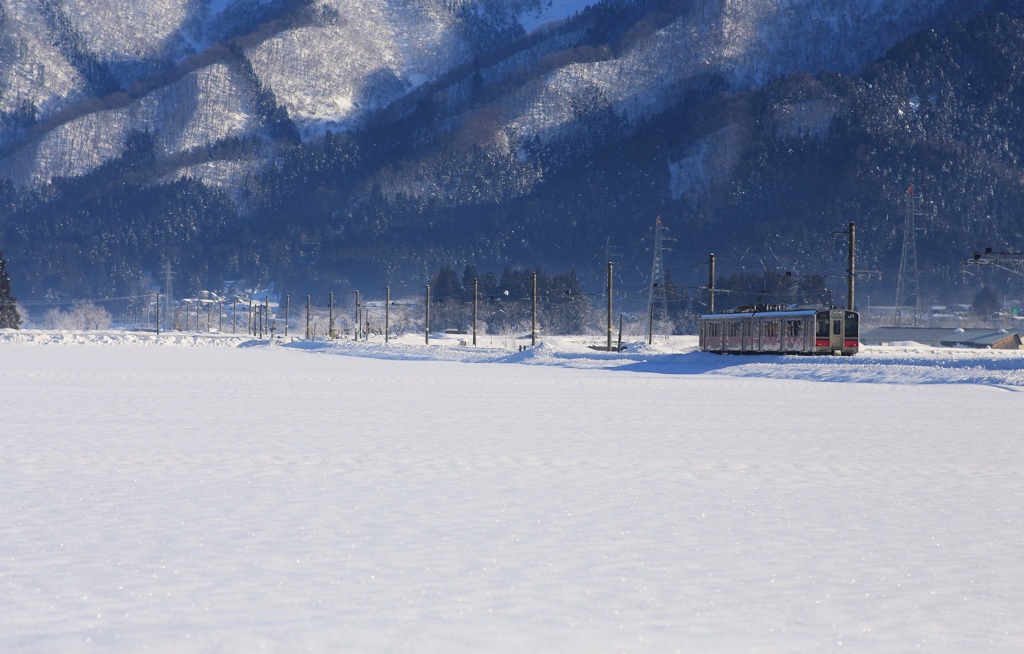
x: 169, y: 292
x: 658, y: 297
x: 907, y: 285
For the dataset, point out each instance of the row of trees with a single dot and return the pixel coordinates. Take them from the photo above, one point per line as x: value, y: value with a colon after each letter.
x: 10, y: 318
x: 505, y: 303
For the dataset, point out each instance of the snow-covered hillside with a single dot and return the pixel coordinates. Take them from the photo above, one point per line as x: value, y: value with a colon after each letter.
x: 174, y: 496
x: 332, y: 63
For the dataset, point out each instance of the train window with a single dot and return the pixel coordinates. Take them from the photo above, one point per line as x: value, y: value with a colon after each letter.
x: 822, y: 328
x: 735, y: 329
x: 837, y: 327
x: 852, y: 329
x: 794, y: 329
x: 771, y: 329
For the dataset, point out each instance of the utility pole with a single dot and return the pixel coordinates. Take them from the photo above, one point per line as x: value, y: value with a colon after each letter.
x: 476, y: 295
x: 609, y: 348
x: 357, y: 316
x: 533, y: 331
x: 650, y: 325
x: 619, y: 348
x: 330, y: 315
x: 307, y: 317
x: 387, y: 313
x: 711, y: 283
x: 169, y: 287
x: 287, y: 313
x: 426, y: 326
x: 851, y: 270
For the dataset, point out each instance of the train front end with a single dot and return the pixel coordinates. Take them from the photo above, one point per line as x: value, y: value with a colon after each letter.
x: 837, y: 332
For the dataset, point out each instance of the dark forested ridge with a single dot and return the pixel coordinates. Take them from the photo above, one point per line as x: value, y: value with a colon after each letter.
x: 763, y: 178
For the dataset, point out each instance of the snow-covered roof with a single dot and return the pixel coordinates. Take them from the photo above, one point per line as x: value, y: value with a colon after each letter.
x: 944, y: 336
x: 762, y: 314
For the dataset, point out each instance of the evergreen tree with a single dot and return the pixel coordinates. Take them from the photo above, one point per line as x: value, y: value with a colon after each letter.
x: 9, y: 316
x: 445, y: 286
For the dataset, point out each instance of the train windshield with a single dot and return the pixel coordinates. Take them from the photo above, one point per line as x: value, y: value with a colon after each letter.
x: 852, y: 328
x: 821, y: 331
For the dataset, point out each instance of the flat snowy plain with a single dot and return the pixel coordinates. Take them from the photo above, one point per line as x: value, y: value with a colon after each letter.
x: 202, y: 494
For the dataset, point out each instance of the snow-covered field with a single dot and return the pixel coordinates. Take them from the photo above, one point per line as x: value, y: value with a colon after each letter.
x: 217, y: 494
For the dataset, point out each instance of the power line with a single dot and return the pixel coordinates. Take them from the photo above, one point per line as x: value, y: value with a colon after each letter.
x: 98, y: 300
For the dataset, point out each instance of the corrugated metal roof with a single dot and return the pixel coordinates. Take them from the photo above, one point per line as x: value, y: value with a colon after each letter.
x: 948, y: 337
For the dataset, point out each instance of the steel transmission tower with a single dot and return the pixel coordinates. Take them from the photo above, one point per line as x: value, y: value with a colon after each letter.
x: 658, y: 297
x: 169, y: 292
x: 907, y: 285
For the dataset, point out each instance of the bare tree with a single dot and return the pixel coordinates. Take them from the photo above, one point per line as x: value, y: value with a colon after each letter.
x: 81, y: 316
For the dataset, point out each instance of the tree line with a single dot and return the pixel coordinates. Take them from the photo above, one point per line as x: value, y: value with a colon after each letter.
x: 10, y: 318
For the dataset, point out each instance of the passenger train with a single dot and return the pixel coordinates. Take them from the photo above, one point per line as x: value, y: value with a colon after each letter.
x: 781, y: 330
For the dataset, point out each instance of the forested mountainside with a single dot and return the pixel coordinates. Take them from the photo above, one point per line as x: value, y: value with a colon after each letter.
x: 321, y: 144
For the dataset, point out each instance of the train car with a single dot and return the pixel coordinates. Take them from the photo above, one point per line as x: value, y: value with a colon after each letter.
x: 781, y: 330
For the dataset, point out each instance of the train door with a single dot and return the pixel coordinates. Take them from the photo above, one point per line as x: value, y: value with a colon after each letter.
x: 821, y: 332
x: 837, y: 333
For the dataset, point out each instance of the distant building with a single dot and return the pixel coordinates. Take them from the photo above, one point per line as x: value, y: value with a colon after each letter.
x: 995, y: 339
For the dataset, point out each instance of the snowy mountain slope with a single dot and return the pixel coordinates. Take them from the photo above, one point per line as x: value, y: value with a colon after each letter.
x: 744, y: 42
x: 207, y: 106
x: 33, y: 75
x: 379, y: 139
x: 354, y: 57
x: 551, y: 12
x: 126, y: 32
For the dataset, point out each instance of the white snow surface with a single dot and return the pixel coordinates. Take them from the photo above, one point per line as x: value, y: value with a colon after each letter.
x: 552, y: 11
x: 212, y: 493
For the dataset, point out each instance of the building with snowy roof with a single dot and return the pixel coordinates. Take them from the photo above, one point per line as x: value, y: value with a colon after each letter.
x: 995, y: 339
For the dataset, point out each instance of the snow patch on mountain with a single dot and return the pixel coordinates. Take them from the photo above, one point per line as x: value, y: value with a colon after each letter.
x: 552, y: 11
x: 714, y: 157
x: 348, y: 58
x: 127, y: 31
x: 357, y: 57
x: 204, y: 107
x: 215, y: 108
x: 32, y: 71
x: 747, y: 43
